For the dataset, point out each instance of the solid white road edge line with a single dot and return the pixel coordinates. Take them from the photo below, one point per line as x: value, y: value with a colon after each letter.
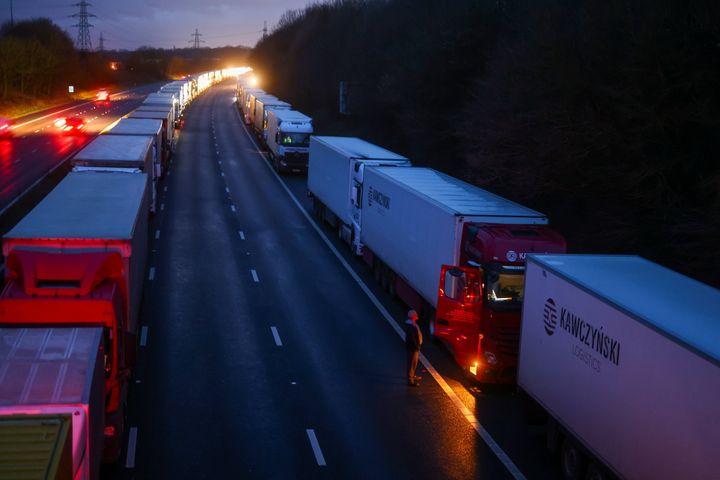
x: 242, y: 235
x: 319, y: 458
x: 143, y: 336
x: 255, y: 276
x: 157, y: 234
x: 151, y: 275
x: 276, y: 336
x: 464, y: 410
x: 132, y: 445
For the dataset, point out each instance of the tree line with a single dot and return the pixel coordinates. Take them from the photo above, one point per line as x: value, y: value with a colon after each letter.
x: 604, y: 115
x: 38, y: 60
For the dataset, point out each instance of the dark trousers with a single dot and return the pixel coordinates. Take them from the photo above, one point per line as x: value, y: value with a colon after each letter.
x: 412, y: 361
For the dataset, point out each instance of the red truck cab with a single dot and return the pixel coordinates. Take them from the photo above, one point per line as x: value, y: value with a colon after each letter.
x: 479, y: 301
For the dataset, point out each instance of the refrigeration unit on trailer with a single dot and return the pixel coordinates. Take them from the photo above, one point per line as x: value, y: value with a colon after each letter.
x: 336, y: 177
x: 78, y: 258
x: 456, y: 253
x: 624, y: 356
x: 52, y: 402
x: 145, y: 127
x: 288, y: 139
x: 263, y: 104
x: 120, y: 153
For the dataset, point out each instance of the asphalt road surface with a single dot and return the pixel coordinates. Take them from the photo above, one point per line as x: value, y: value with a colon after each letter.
x: 38, y: 146
x: 267, y: 352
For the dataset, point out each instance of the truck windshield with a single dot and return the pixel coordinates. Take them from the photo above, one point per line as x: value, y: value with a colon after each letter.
x: 504, y: 286
x: 295, y: 139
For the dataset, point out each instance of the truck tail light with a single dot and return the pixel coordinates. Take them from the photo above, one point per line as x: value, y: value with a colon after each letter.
x: 109, y: 431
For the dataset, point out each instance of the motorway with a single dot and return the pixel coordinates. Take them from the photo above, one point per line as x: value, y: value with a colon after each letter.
x: 37, y: 147
x: 268, y: 352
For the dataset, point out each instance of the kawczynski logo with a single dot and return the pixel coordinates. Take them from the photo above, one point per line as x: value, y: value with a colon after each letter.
x: 550, y: 316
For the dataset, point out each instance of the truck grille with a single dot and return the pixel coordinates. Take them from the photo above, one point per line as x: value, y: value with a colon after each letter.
x: 507, y: 340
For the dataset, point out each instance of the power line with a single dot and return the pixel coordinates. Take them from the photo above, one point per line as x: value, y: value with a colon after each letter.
x: 83, y: 41
x: 196, y: 39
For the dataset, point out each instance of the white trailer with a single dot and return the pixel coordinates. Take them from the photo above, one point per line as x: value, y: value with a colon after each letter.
x: 120, y: 153
x: 93, y: 212
x: 263, y: 104
x: 52, y: 402
x: 413, y: 221
x: 624, y: 356
x: 335, y: 180
x: 247, y: 103
x: 288, y: 139
x: 145, y: 127
x: 160, y: 101
x: 165, y: 115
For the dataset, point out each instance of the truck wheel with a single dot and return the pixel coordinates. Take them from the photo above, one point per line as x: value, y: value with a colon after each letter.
x: 572, y: 460
x: 391, y: 289
x: 595, y: 472
x: 377, y: 269
x: 385, y: 277
x: 552, y: 437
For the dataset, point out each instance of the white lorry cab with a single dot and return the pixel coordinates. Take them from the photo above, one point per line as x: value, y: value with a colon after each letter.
x: 288, y: 139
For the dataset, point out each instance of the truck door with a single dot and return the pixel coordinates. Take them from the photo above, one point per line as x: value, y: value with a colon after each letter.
x: 459, y: 309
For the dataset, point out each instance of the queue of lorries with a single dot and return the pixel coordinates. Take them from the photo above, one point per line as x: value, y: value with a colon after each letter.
x: 621, y: 355
x: 70, y: 306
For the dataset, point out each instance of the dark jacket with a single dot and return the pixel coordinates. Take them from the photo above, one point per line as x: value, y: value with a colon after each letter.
x: 413, y: 336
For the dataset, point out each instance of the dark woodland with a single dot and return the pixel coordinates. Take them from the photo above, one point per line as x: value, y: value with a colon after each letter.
x: 603, y: 115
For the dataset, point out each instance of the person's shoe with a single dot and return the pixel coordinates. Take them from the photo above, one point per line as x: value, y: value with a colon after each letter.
x: 413, y: 384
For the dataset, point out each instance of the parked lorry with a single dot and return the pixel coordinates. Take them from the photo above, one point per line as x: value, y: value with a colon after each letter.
x: 263, y: 104
x: 336, y: 175
x: 246, y: 100
x: 161, y: 101
x: 51, y: 402
x: 419, y: 224
x: 624, y: 356
x: 252, y: 96
x: 288, y: 139
x: 166, y: 117
x: 120, y: 153
x: 146, y: 127
x: 78, y: 258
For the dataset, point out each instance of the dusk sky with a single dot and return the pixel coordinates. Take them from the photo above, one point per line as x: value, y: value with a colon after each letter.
x: 128, y: 24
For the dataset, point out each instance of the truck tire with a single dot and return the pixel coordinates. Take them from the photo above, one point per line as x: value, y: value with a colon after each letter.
x: 572, y: 460
x: 318, y: 210
x: 392, y: 284
x: 595, y: 472
x: 377, y: 269
x: 385, y: 277
x: 552, y: 437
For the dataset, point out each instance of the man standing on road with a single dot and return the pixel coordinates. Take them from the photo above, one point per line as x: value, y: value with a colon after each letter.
x: 413, y: 341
